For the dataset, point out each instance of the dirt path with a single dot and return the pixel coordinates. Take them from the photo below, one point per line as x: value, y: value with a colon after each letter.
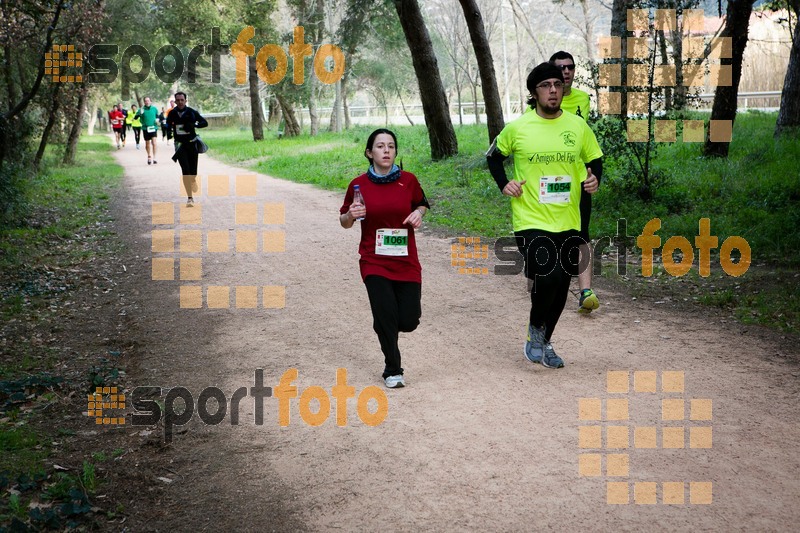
x: 480, y: 438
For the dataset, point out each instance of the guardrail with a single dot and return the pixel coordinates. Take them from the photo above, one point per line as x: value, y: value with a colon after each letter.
x: 467, y: 108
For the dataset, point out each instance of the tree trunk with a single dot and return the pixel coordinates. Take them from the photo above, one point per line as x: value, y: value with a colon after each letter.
x: 400, y: 96
x: 725, y: 98
x: 274, y: 113
x: 483, y: 54
x: 474, y: 87
x: 92, y: 119
x: 789, y: 114
x: 662, y: 48
x: 679, y: 93
x: 619, y: 28
x: 345, y: 105
x: 256, y: 118
x: 77, y: 123
x: 336, y: 122
x: 291, y: 126
x: 434, y: 101
x: 51, y: 120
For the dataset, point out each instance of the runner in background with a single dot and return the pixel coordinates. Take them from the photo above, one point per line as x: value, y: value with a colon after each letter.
x: 149, y: 117
x: 183, y: 121
x: 123, y: 133
x: 393, y: 207
x: 577, y: 102
x: 133, y: 121
x: 162, y: 120
x: 117, y: 121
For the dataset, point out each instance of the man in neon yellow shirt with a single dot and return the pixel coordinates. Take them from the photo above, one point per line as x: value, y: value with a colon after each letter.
x: 577, y: 102
x: 552, y: 150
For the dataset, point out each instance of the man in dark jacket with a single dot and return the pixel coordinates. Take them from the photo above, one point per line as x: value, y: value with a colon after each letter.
x: 182, y: 122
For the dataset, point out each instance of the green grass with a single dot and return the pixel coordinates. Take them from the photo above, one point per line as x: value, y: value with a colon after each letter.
x: 62, y: 224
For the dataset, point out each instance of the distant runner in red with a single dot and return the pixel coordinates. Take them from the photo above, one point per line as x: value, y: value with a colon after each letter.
x: 117, y: 120
x: 392, y: 208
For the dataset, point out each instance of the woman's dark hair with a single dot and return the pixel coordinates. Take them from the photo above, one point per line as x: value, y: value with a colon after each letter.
x: 371, y: 141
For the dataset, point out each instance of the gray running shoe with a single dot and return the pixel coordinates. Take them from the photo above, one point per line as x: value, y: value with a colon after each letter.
x: 534, y: 346
x: 551, y: 359
x: 395, y: 382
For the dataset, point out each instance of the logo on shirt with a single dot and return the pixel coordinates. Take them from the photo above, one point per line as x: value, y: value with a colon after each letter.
x: 553, y: 157
x: 568, y: 137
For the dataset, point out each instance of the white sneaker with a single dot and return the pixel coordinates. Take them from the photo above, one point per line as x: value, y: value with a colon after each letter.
x: 394, y: 382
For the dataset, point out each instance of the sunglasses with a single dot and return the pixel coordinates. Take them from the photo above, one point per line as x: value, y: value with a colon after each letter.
x: 566, y: 67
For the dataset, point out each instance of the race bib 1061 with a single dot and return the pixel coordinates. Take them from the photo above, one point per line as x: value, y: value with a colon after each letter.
x: 391, y: 242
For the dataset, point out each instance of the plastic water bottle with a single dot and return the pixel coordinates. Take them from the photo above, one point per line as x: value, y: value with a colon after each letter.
x: 358, y: 198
